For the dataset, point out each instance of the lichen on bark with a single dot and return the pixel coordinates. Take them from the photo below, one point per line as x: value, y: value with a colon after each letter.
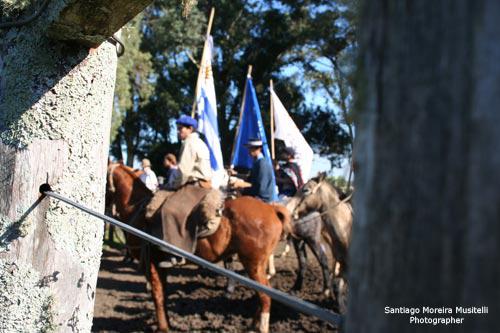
x: 32, y: 309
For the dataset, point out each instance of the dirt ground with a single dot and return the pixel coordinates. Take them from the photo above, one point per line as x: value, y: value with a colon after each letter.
x: 197, y: 301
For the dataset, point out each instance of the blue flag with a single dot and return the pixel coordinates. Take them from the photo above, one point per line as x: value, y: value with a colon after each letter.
x: 250, y: 127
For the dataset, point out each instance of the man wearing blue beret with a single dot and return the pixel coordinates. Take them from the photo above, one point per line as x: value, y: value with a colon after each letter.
x: 194, y: 161
x: 191, y: 184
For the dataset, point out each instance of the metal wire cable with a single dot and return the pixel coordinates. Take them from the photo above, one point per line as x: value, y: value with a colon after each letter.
x: 286, y: 299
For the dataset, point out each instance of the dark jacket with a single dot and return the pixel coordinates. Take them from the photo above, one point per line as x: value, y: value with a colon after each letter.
x: 289, y: 179
x: 261, y: 178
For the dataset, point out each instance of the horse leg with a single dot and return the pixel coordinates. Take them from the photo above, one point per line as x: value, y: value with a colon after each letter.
x: 231, y: 284
x: 157, y: 290
x: 257, y: 272
x: 320, y: 254
x: 341, y: 287
x: 272, y: 268
x: 300, y: 250
x: 286, y: 249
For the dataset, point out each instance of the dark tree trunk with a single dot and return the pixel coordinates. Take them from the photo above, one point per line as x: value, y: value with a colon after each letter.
x: 427, y: 203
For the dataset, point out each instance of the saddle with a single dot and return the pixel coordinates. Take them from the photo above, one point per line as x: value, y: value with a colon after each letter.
x: 208, y: 211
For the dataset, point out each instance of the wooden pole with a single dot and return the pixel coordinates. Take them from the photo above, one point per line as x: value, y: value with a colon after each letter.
x: 203, y: 60
x: 210, y: 21
x: 271, y: 107
x: 249, y: 74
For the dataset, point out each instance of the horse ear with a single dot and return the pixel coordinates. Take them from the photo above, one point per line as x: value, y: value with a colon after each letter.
x: 321, y: 176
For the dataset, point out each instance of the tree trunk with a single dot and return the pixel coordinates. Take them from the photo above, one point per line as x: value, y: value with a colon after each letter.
x: 55, y: 103
x: 427, y: 202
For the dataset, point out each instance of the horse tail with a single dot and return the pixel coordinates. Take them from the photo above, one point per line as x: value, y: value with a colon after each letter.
x: 285, y: 218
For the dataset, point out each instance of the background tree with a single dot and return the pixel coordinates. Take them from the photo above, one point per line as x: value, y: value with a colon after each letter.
x: 330, y: 68
x: 267, y: 35
x: 426, y: 230
x: 132, y: 92
x: 152, y: 80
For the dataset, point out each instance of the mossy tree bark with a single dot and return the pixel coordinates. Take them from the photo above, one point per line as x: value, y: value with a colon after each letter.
x: 55, y: 109
x: 427, y: 203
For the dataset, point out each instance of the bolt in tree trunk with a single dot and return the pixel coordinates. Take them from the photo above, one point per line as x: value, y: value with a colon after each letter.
x: 427, y: 229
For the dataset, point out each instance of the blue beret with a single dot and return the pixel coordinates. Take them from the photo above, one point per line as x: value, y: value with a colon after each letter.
x: 187, y: 121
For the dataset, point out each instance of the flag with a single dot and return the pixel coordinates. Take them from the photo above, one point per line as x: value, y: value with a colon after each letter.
x: 286, y: 130
x: 206, y: 111
x: 250, y: 127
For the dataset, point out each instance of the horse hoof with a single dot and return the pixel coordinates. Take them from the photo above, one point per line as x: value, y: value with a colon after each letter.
x: 327, y: 292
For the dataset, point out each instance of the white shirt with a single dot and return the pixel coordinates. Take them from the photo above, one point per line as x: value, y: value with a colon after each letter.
x: 149, y: 178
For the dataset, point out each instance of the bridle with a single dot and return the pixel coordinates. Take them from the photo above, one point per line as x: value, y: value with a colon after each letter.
x: 138, y: 206
x: 112, y: 189
x: 312, y: 191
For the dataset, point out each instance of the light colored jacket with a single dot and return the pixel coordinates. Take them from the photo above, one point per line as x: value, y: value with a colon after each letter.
x: 194, y: 161
x: 149, y: 178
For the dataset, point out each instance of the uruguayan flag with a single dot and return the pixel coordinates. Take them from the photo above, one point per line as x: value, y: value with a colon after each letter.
x: 206, y: 110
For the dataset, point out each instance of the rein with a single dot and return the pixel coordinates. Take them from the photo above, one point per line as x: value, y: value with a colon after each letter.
x: 141, y: 203
x: 338, y: 203
x: 304, y: 220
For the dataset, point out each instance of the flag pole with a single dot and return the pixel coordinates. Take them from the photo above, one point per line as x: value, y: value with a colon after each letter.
x: 210, y: 21
x: 271, y: 107
x: 203, y: 56
x: 249, y: 74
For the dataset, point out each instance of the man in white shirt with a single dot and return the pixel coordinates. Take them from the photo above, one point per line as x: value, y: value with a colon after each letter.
x: 148, y: 177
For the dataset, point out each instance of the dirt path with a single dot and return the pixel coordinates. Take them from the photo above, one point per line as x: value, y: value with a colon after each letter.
x: 197, y: 300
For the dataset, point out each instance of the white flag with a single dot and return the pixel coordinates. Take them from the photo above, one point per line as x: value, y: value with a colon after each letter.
x: 206, y: 108
x: 286, y: 130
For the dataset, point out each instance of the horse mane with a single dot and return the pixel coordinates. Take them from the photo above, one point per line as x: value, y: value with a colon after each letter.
x: 327, y: 187
x: 135, y: 176
x: 337, y: 192
x: 129, y: 170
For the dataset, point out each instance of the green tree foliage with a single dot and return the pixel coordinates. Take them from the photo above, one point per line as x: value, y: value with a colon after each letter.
x: 279, y: 38
x: 132, y: 92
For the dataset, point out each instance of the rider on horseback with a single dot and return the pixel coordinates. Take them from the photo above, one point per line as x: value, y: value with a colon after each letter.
x: 260, y: 182
x: 194, y: 162
x: 191, y: 184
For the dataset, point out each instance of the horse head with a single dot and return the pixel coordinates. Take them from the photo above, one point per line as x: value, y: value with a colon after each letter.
x: 123, y: 187
x: 315, y: 195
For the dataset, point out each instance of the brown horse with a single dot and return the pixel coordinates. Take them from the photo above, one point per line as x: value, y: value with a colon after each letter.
x: 318, y: 195
x: 249, y: 228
